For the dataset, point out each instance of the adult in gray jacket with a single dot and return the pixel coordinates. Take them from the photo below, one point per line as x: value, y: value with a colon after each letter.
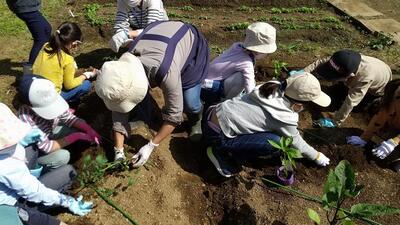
x: 361, y: 74
x: 29, y: 12
x: 171, y: 55
x: 241, y: 127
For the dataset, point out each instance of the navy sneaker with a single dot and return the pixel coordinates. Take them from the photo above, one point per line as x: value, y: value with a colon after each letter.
x: 224, y: 165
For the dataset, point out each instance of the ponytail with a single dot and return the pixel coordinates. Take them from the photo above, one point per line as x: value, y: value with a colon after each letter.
x: 65, y: 34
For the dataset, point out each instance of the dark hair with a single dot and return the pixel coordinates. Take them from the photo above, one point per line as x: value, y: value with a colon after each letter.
x: 65, y: 34
x: 390, y: 90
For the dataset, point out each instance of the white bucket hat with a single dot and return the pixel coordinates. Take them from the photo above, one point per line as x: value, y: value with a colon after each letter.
x: 122, y: 84
x: 306, y: 87
x: 260, y: 37
x: 12, y: 130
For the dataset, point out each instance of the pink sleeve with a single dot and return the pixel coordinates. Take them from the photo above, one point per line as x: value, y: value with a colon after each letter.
x: 247, y: 68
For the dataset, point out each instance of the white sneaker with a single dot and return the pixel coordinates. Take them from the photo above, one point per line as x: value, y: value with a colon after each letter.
x: 119, y: 155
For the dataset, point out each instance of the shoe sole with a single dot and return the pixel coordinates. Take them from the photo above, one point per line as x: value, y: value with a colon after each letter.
x: 215, y: 162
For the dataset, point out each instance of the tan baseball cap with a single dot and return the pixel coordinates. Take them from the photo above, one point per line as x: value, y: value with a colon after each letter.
x: 305, y: 87
x: 260, y: 37
x: 122, y: 84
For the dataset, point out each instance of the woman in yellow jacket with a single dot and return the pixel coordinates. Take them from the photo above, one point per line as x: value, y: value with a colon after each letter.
x: 385, y: 125
x: 56, y: 63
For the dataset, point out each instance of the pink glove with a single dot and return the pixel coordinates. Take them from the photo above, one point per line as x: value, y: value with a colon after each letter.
x: 82, y: 125
x: 76, y: 137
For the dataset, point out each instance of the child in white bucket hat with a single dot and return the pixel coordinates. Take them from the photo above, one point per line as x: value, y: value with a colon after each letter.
x: 233, y: 71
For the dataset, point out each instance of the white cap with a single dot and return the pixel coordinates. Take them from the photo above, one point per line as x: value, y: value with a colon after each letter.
x: 260, y: 37
x: 42, y: 96
x: 306, y: 87
x: 122, y: 84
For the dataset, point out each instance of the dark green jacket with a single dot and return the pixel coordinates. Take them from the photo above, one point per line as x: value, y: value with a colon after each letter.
x: 23, y: 6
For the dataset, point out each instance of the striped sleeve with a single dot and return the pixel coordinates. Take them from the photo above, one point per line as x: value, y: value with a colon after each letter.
x: 68, y: 118
x: 26, y: 115
x: 122, y: 18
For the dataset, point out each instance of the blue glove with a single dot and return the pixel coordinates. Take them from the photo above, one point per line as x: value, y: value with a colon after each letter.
x: 295, y: 72
x: 356, y: 141
x: 76, y: 206
x: 384, y: 149
x: 33, y: 136
x: 326, y: 122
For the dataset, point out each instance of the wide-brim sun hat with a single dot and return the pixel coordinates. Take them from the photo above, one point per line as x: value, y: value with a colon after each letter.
x: 306, y: 88
x: 41, y: 95
x: 122, y: 84
x: 261, y: 38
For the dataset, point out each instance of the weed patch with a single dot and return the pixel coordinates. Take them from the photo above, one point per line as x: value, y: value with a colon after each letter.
x: 91, y: 15
x: 381, y: 41
x: 237, y: 26
x: 293, y: 10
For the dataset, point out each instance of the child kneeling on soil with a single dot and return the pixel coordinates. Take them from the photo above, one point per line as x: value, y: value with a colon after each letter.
x: 233, y: 71
x: 18, y: 183
x: 239, y: 128
x: 361, y: 74
x: 56, y: 63
x: 45, y: 109
x: 384, y: 124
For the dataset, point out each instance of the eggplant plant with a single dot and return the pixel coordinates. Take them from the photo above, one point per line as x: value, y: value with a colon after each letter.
x: 279, y: 66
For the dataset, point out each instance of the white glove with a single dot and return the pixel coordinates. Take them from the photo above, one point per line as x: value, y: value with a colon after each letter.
x: 76, y: 206
x: 143, y: 155
x: 321, y: 159
x: 118, y: 40
x: 384, y: 149
x: 90, y: 74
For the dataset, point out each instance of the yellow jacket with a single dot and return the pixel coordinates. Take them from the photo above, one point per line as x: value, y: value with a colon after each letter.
x: 62, y: 73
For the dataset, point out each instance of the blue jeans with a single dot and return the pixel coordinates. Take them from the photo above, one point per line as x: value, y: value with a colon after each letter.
x: 241, y: 147
x: 213, y: 95
x: 40, y: 30
x: 74, y: 95
x: 191, y: 100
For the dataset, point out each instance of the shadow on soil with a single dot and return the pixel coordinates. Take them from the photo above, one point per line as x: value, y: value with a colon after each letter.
x: 6, y: 68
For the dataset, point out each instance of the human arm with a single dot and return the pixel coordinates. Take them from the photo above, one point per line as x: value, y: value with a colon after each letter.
x: 354, y: 97
x: 247, y: 69
x: 311, y: 68
x: 376, y: 123
x: 122, y: 18
x: 70, y: 81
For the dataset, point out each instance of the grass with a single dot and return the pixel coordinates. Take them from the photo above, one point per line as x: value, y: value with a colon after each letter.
x: 12, y: 25
x: 293, y: 10
x: 91, y: 15
x: 187, y: 8
x: 237, y: 26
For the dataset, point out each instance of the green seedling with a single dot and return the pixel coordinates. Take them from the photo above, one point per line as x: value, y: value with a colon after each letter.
x: 244, y: 8
x: 339, y: 187
x: 262, y: 19
x: 216, y: 49
x: 293, y: 10
x: 91, y: 15
x: 381, y: 41
x: 187, y: 8
x: 237, y: 26
x: 330, y: 19
x: 279, y: 66
x: 289, y: 154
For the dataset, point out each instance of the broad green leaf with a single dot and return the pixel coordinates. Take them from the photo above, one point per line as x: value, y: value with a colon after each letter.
x: 274, y: 144
x: 348, y: 222
x: 313, y: 216
x: 288, y: 141
x: 282, y: 143
x: 368, y: 210
x: 295, y: 153
x: 357, y: 190
x: 346, y: 176
x: 332, y: 190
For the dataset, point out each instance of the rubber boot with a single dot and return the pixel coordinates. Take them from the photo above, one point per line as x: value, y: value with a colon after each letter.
x: 195, y: 130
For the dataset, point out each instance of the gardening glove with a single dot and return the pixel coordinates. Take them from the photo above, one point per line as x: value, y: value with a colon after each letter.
x: 72, y: 138
x: 325, y: 122
x: 33, y: 136
x: 295, y: 72
x: 321, y: 159
x: 356, y: 141
x: 91, y: 74
x: 76, y: 206
x: 118, y: 40
x: 82, y: 125
x: 143, y: 155
x: 385, y: 148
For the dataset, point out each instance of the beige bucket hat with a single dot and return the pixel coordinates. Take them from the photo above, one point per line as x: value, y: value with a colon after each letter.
x: 122, y: 84
x: 260, y: 37
x: 306, y: 87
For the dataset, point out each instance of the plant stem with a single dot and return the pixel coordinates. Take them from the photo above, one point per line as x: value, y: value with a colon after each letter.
x: 118, y: 208
x: 318, y: 200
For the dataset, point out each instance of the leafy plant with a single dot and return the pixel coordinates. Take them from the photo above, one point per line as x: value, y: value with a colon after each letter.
x: 244, y: 8
x: 187, y: 8
x: 339, y: 187
x: 92, y: 16
x: 381, y: 41
x: 293, y: 10
x: 330, y: 19
x: 237, y: 26
x: 288, y: 153
x: 279, y: 66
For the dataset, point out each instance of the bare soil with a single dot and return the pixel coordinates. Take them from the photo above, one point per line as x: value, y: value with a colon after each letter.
x: 179, y: 185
